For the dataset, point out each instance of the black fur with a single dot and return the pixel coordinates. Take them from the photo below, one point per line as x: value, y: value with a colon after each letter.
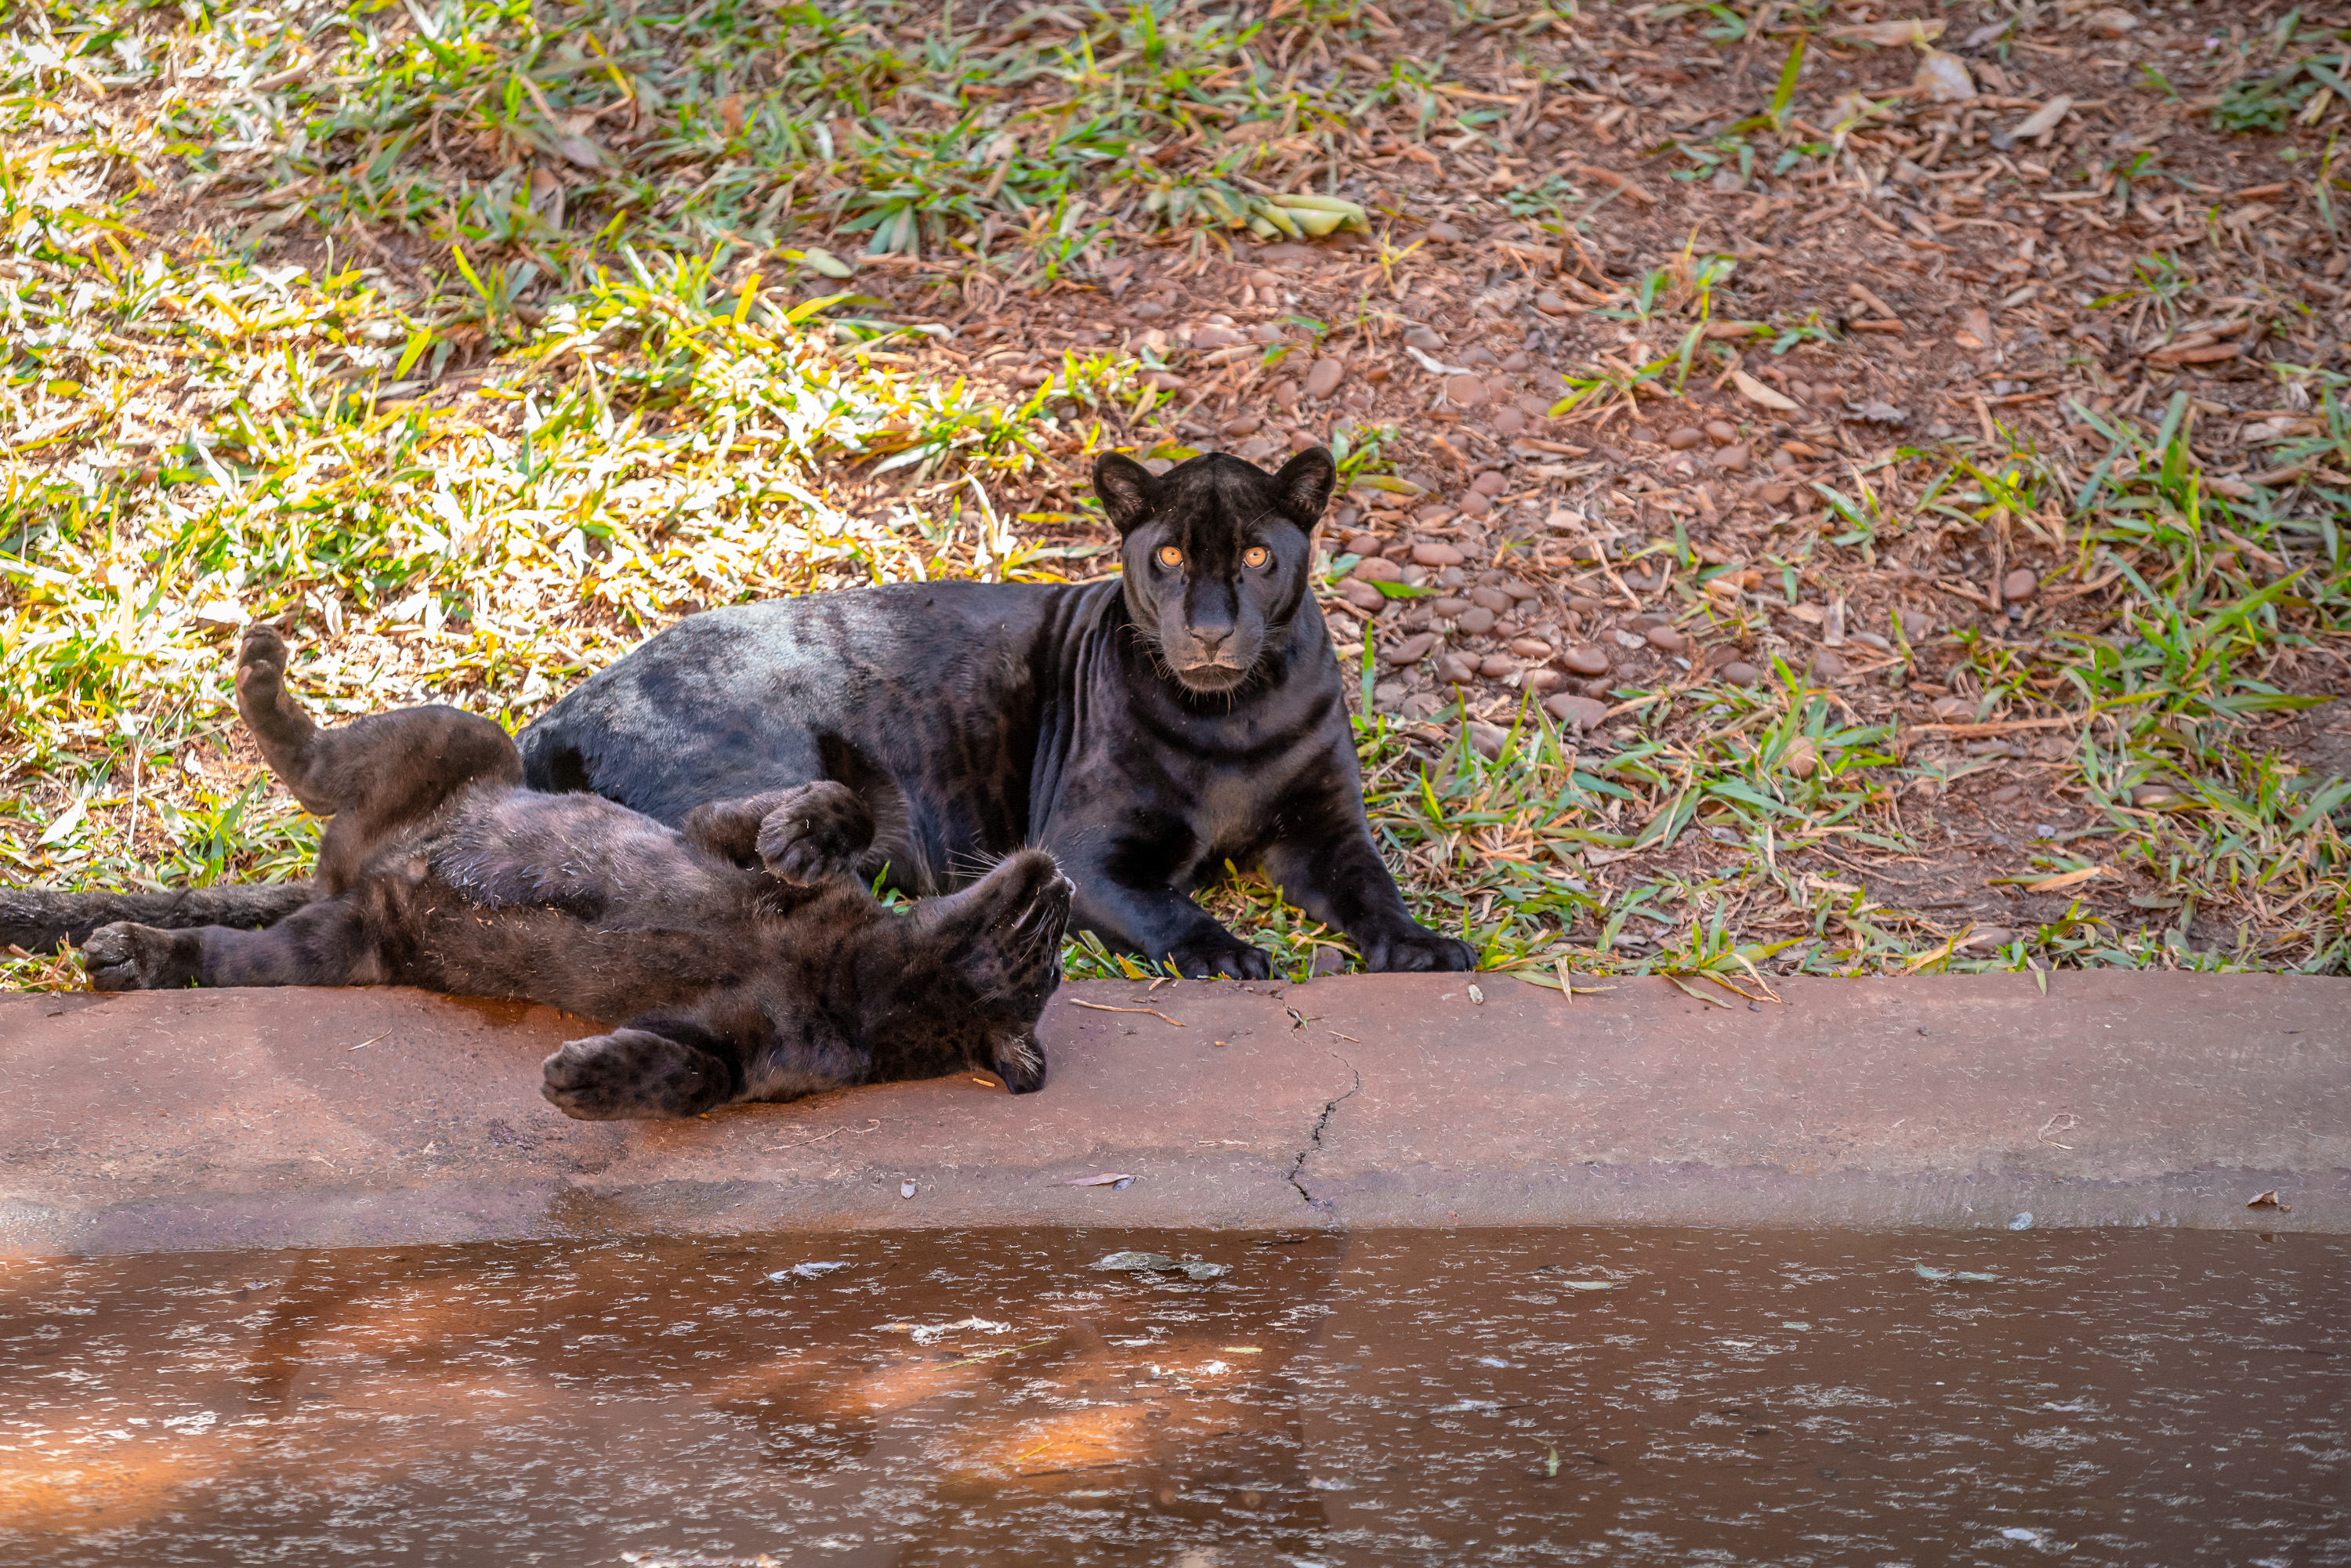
x: 745, y: 964
x: 1146, y: 731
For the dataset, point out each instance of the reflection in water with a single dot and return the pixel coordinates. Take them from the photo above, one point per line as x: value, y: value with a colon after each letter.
x: 988, y: 1398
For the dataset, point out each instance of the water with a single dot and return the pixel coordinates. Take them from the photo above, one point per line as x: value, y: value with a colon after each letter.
x: 1380, y: 1399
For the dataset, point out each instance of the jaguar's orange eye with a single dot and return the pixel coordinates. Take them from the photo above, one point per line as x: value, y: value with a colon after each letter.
x: 1256, y: 555
x: 1169, y: 556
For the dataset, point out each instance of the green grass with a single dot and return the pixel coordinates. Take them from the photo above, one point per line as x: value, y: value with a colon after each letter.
x: 499, y: 426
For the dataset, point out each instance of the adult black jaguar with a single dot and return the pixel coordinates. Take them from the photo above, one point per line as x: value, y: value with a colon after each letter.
x: 1145, y: 729
x: 737, y: 956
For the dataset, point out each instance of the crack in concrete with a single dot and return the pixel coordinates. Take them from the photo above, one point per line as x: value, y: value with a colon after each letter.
x: 1314, y: 1140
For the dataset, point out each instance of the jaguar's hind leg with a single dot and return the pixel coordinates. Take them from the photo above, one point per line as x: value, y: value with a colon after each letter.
x: 636, y: 1074
x: 321, y: 943
x: 373, y: 775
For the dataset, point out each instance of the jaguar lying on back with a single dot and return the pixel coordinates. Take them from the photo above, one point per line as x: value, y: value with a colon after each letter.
x: 1146, y: 730
x: 738, y: 958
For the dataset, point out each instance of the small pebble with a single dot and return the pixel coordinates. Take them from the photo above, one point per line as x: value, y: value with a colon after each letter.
x: 1585, y: 660
x: 1487, y: 740
x: 1148, y: 310
x: 1456, y: 669
x: 1476, y: 504
x: 1516, y: 360
x: 1477, y: 621
x: 1731, y: 459
x: 1363, y: 544
x: 1506, y: 423
x: 1377, y: 569
x: 1665, y: 639
x: 1776, y: 495
x: 1494, y: 666
x: 1262, y: 279
x: 1541, y: 681
x: 2019, y: 584
x: 1577, y: 713
x: 1363, y: 596
x: 1242, y: 425
x: 1739, y: 672
x: 1800, y: 758
x: 1411, y: 650
x: 1465, y: 391
x: 1215, y: 338
x: 1531, y: 647
x: 1827, y: 666
x: 1447, y: 607
x: 1721, y: 431
x: 1442, y: 233
x: 1323, y: 376
x: 1493, y: 599
x: 1682, y: 440
x: 1431, y: 553
x: 1425, y: 339
x: 1492, y: 482
x: 906, y: 1189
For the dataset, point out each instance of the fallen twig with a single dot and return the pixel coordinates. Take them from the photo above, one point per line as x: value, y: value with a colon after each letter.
x: 1105, y: 1008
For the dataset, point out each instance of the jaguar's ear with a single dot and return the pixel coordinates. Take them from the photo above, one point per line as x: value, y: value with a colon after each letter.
x: 1124, y: 486
x: 1304, y: 485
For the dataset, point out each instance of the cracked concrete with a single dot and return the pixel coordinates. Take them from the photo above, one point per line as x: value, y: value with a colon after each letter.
x: 1314, y: 1141
x: 215, y: 1119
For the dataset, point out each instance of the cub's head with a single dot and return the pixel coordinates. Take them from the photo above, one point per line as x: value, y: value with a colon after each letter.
x: 1218, y: 555
x: 962, y: 979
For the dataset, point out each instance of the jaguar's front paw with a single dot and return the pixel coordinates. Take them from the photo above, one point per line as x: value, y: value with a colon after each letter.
x: 1417, y: 948
x: 633, y: 1074
x: 815, y: 833
x: 124, y: 956
x: 1224, y: 955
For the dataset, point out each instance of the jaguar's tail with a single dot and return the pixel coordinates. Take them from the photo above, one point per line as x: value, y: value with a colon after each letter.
x: 38, y: 918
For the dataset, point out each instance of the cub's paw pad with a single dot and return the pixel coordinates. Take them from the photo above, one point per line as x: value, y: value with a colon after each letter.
x: 815, y: 833
x: 1231, y: 957
x: 124, y: 956
x: 1418, y: 950
x: 632, y: 1074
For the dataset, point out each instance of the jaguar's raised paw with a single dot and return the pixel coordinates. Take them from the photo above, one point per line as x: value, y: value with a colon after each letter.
x: 1418, y: 950
x: 815, y: 833
x: 633, y: 1074
x: 125, y: 956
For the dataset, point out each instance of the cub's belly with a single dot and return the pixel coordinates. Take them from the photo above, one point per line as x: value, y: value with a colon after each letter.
x: 601, y: 969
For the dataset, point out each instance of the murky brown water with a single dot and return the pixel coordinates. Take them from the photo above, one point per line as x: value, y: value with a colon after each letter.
x: 1478, y: 1396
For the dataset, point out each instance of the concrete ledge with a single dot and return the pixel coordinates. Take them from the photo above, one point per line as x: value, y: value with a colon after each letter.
x: 201, y: 1120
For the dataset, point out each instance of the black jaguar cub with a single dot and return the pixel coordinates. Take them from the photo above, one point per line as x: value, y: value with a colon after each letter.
x: 748, y: 962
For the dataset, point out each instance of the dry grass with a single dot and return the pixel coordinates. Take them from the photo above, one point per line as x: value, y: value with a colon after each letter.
x: 476, y: 343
